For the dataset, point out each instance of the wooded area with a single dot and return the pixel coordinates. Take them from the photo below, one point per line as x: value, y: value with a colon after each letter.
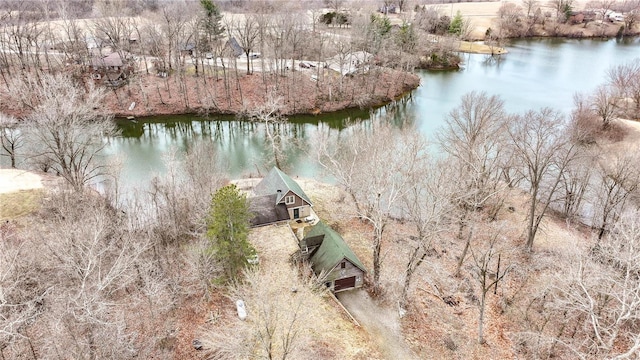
x: 530, y: 220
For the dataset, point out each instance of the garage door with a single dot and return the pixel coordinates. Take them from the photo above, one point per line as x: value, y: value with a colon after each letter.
x: 344, y: 284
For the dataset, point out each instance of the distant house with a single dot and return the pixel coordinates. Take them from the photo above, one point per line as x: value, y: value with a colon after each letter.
x: 278, y: 198
x: 613, y: 16
x: 111, y: 69
x: 388, y: 9
x: 92, y: 43
x: 109, y: 63
x: 329, y: 254
x: 234, y: 47
x: 576, y: 18
x: 350, y: 63
x: 579, y: 17
x: 187, y: 50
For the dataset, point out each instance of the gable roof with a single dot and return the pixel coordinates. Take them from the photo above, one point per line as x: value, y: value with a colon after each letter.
x: 277, y: 180
x: 332, y: 250
x: 350, y: 62
x: 113, y: 59
x: 237, y: 50
x: 264, y: 212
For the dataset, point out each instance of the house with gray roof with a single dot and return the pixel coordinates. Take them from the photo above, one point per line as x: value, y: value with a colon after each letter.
x: 234, y: 47
x: 111, y: 62
x: 112, y: 69
x: 331, y: 257
x: 278, y: 198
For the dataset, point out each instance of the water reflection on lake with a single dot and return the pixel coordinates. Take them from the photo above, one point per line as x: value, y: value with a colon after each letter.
x: 536, y: 73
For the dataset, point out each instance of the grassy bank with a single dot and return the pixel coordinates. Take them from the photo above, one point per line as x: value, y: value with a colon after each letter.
x: 16, y: 204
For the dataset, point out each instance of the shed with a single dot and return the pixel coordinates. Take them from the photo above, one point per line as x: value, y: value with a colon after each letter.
x: 328, y: 253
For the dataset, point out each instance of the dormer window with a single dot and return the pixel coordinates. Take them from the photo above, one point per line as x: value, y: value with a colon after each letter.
x: 289, y: 200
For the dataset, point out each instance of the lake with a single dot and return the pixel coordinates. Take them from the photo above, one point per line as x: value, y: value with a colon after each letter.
x: 536, y: 73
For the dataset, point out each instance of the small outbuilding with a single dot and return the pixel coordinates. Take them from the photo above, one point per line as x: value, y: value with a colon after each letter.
x: 329, y: 254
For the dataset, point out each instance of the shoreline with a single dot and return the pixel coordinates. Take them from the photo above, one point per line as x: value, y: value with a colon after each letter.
x: 298, y: 95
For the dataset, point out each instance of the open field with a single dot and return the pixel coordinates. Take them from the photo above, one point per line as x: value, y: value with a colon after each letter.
x: 484, y: 15
x: 18, y: 203
x: 20, y: 193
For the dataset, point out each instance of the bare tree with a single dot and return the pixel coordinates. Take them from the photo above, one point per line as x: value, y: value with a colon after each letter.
x: 114, y: 27
x: 247, y: 33
x: 75, y: 297
x: 473, y: 138
x: 427, y: 206
x: 268, y: 114
x: 204, y: 170
x: 375, y: 175
x: 573, y: 188
x: 66, y: 127
x: 562, y: 7
x: 428, y: 19
x: 600, y: 293
x: 631, y: 9
x: 602, y: 7
x: 11, y: 138
x: 604, y: 104
x: 616, y: 181
x: 584, y: 125
x: 511, y: 20
x: 171, y: 206
x: 22, y: 37
x: 277, y: 320
x: 343, y: 50
x: 625, y: 78
x: 173, y: 19
x: 543, y: 150
x: 335, y: 5
x: 530, y: 6
x: 21, y: 293
x: 484, y: 263
x: 74, y: 44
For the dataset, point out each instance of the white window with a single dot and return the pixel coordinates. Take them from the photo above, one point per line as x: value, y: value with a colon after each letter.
x: 289, y: 200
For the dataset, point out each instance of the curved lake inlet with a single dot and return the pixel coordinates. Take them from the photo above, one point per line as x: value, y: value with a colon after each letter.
x: 536, y: 73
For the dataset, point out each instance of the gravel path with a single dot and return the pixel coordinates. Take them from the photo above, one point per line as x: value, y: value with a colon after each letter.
x: 381, y: 323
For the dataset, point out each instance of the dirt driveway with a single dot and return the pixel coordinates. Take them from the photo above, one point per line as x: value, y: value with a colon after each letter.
x: 382, y: 323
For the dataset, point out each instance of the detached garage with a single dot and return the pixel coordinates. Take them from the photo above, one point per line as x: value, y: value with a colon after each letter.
x: 329, y: 253
x: 344, y: 284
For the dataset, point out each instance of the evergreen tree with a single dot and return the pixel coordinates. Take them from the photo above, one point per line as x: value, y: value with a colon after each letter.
x: 406, y: 37
x: 379, y: 29
x: 228, y: 230
x: 211, y: 23
x: 457, y: 22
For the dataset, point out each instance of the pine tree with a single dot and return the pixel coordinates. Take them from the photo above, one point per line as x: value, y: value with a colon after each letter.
x: 457, y: 22
x: 211, y: 23
x: 228, y: 230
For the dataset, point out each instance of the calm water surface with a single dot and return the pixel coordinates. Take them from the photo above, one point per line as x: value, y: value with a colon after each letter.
x: 536, y: 73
